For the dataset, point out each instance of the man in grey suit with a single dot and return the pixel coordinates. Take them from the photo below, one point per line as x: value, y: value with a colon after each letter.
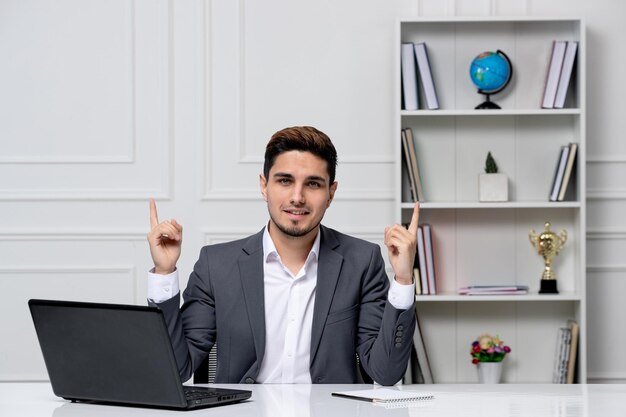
x: 296, y: 302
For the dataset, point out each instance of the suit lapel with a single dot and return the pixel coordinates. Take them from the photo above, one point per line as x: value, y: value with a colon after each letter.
x: 251, y: 273
x: 329, y: 266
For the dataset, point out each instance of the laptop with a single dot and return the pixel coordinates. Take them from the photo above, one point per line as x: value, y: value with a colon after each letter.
x: 116, y: 354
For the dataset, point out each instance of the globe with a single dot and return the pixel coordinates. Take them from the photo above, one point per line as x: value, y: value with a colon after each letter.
x: 490, y: 72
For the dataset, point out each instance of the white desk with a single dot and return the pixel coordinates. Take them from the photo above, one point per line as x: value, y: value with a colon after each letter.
x: 37, y: 400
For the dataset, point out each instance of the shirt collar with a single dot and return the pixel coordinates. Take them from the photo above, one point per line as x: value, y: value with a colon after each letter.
x: 270, y: 252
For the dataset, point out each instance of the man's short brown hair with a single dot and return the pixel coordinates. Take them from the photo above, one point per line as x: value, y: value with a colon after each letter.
x: 305, y: 139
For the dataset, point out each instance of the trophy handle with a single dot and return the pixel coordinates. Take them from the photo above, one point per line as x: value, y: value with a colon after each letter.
x: 533, y: 237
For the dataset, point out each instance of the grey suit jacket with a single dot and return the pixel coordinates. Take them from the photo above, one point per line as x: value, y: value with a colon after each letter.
x: 224, y: 304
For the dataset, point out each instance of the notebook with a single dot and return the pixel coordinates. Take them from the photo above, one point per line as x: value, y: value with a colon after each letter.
x: 386, y: 396
x: 120, y: 354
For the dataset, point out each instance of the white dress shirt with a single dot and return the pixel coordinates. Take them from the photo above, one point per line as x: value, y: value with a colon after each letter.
x: 289, y: 302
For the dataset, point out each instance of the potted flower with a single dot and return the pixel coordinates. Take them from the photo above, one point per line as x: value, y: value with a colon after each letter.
x: 487, y: 353
x: 493, y: 186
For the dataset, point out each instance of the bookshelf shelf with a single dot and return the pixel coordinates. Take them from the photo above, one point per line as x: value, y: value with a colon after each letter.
x: 452, y: 297
x: 486, y: 113
x: 487, y: 243
x: 502, y: 205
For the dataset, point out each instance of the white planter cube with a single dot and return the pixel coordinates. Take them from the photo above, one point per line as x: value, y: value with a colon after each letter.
x: 493, y: 187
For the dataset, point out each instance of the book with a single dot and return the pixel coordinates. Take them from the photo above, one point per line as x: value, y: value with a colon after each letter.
x: 558, y: 175
x: 385, y: 395
x: 494, y: 290
x: 569, y: 166
x: 567, y: 341
x: 421, y: 255
x: 571, y: 365
x: 566, y: 74
x: 554, y: 72
x: 413, y: 156
x: 430, y: 259
x: 426, y: 76
x: 561, y: 355
x: 409, y: 77
x: 409, y: 166
x: 422, y: 356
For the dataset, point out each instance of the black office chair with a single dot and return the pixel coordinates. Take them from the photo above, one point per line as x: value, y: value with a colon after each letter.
x: 205, y: 373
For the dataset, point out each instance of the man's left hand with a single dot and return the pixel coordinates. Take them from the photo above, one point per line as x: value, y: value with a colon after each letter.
x: 401, y: 244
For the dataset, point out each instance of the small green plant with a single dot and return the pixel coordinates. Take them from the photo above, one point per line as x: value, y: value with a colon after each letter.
x: 490, y: 165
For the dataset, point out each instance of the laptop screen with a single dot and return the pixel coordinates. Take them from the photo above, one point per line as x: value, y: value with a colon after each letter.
x: 107, y: 352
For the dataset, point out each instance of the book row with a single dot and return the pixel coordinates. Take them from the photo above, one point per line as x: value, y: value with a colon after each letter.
x: 562, y: 183
x: 424, y: 268
x: 417, y: 73
x: 414, y: 60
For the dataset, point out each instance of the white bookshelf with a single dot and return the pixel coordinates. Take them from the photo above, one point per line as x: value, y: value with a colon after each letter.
x: 487, y: 243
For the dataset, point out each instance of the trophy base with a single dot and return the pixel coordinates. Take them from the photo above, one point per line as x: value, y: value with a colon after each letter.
x: 548, y: 286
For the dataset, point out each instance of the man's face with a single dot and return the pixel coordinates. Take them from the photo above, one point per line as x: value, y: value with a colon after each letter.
x: 297, y: 192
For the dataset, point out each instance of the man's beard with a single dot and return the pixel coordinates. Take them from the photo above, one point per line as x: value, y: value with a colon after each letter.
x: 294, y: 231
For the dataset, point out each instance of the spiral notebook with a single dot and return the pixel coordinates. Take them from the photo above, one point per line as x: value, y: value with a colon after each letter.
x: 385, y: 396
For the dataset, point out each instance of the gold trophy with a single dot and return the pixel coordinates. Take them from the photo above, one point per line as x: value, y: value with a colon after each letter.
x: 548, y: 245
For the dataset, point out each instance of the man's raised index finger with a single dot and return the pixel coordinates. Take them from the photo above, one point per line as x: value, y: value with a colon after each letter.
x: 415, y: 219
x: 154, y: 219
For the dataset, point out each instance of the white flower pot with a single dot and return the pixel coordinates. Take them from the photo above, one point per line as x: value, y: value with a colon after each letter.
x: 493, y: 187
x: 489, y: 372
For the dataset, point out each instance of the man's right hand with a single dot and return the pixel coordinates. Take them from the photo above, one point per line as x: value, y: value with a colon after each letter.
x: 165, y: 240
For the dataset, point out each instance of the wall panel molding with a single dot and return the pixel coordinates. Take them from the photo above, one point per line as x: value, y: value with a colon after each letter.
x: 606, y: 234
x: 606, y: 194
x: 605, y: 269
x: 68, y: 166
x: 72, y: 234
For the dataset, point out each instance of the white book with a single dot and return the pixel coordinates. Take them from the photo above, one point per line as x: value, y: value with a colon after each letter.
x: 558, y: 175
x: 558, y: 355
x: 409, y: 77
x: 566, y: 74
x: 569, y: 167
x: 430, y: 260
x: 426, y: 76
x: 421, y: 255
x: 554, y: 72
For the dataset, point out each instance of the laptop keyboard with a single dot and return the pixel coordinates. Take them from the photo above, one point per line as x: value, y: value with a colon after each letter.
x: 194, y: 393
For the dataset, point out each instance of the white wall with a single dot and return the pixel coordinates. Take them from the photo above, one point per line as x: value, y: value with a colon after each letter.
x: 105, y: 103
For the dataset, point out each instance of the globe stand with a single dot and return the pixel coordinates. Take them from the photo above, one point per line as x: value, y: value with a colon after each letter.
x: 487, y: 104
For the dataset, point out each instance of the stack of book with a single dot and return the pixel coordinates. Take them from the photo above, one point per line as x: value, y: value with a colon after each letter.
x: 565, y: 170
x: 494, y: 290
x: 424, y: 268
x: 415, y: 58
x: 559, y: 74
x: 565, y: 356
